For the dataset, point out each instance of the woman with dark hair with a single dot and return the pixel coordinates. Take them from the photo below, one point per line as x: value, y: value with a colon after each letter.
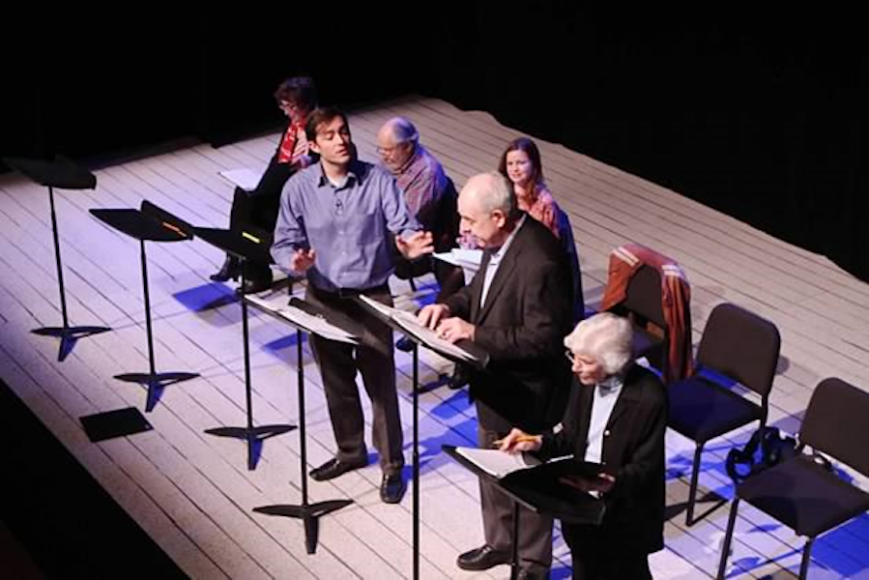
x: 296, y: 97
x: 520, y: 163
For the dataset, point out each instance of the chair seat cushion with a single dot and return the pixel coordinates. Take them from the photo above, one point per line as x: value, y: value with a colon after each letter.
x: 701, y: 410
x: 804, y: 495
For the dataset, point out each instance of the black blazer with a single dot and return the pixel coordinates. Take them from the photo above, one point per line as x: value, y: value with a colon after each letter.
x: 633, y: 450
x: 527, y: 314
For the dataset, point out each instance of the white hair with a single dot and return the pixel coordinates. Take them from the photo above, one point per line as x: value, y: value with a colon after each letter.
x: 499, y: 195
x: 403, y: 131
x: 604, y: 337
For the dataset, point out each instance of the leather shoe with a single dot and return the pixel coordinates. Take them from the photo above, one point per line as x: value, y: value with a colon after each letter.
x: 392, y: 488
x: 460, y: 377
x: 252, y: 286
x: 231, y: 268
x: 333, y: 468
x: 482, y: 558
x: 404, y: 344
x: 526, y: 574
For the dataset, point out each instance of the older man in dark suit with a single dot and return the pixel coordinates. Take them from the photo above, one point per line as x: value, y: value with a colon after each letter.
x: 518, y: 308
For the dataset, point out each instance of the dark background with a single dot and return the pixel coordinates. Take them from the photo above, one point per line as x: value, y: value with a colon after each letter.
x: 760, y: 115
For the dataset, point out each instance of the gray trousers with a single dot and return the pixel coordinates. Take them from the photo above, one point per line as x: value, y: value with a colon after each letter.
x: 374, y: 360
x: 535, y: 530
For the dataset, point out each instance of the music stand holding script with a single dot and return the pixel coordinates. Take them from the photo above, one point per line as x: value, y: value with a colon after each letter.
x: 405, y: 323
x: 144, y: 226
x: 305, y: 318
x: 245, y: 246
x: 537, y: 486
x: 61, y: 174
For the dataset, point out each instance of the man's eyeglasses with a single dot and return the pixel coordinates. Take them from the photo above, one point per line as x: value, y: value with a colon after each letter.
x: 388, y: 150
x: 569, y: 354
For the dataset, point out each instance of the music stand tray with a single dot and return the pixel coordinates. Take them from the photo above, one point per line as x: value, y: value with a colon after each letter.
x: 245, y: 246
x: 538, y: 488
x: 144, y: 226
x: 60, y: 174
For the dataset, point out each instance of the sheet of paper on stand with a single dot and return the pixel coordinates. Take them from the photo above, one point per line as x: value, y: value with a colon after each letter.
x: 460, y: 257
x: 245, y: 178
x: 310, y: 322
x: 497, y: 463
x: 408, y: 321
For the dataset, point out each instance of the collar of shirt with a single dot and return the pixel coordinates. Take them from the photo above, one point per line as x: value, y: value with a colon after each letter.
x: 414, y: 157
x: 355, y: 172
x: 496, y: 256
x: 611, y: 385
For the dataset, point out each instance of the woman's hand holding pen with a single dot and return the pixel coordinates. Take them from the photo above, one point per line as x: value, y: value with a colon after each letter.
x: 518, y: 440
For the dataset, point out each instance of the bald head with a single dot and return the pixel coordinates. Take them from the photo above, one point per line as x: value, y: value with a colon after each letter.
x: 396, y: 142
x: 487, y: 207
x: 490, y: 191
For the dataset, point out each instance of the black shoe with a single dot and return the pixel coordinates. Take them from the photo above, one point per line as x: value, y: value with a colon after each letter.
x: 526, y: 574
x: 333, y: 468
x: 404, y: 344
x: 460, y: 377
x: 254, y: 285
x: 482, y: 558
x: 231, y: 269
x: 392, y: 488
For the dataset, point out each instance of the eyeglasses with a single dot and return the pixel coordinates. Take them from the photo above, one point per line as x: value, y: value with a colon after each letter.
x: 570, y: 356
x: 388, y: 150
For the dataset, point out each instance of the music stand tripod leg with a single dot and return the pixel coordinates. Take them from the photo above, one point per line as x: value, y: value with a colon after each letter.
x: 308, y: 513
x: 67, y: 334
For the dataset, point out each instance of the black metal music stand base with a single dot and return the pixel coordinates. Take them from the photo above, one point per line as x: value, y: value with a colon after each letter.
x: 68, y: 336
x: 254, y: 437
x: 156, y: 382
x: 309, y: 514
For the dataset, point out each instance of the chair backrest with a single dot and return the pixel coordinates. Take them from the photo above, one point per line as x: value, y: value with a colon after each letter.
x: 741, y: 345
x: 643, y: 296
x: 835, y: 423
x: 446, y: 223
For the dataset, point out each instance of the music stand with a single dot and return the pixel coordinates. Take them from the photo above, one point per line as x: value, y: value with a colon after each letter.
x: 245, y: 246
x: 62, y: 174
x: 468, y: 353
x: 144, y: 226
x: 538, y: 489
x: 306, y: 318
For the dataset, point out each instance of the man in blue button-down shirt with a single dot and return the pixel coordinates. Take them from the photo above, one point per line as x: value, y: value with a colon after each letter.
x: 337, y: 222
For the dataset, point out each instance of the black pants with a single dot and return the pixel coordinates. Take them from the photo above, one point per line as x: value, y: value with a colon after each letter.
x: 535, y: 530
x: 374, y: 360
x: 598, y: 557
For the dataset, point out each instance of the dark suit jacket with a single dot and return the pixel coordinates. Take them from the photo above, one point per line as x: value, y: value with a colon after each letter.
x: 527, y: 314
x: 633, y: 450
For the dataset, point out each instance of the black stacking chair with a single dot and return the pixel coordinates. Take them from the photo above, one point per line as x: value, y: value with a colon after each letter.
x: 737, y: 347
x: 643, y: 304
x: 803, y: 492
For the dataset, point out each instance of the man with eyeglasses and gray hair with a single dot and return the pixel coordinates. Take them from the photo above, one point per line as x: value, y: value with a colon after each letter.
x: 429, y: 194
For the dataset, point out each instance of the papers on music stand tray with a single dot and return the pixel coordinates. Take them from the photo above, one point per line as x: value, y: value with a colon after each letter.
x: 309, y: 322
x: 497, y: 463
x: 409, y: 323
x: 245, y: 178
x: 460, y: 257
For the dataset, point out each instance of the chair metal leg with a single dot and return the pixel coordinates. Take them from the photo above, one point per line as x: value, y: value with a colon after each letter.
x: 807, y: 558
x: 692, y: 492
x: 725, y: 547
